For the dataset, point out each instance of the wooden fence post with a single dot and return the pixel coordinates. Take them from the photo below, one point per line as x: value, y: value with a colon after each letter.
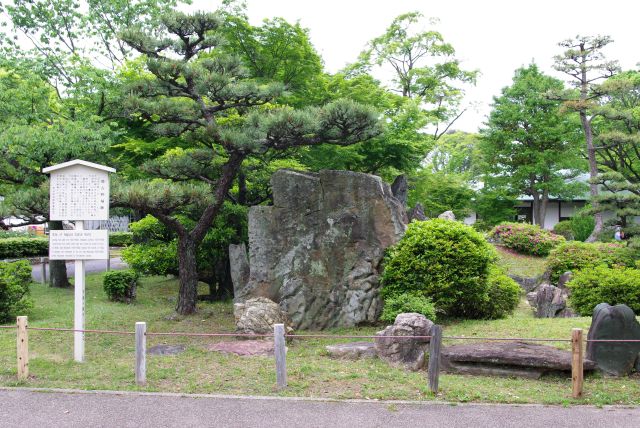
x: 43, y: 268
x: 23, y: 349
x: 280, y: 352
x: 433, y: 370
x: 141, y: 353
x: 576, y: 362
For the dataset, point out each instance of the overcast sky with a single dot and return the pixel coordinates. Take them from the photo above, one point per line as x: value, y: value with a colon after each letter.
x: 493, y: 36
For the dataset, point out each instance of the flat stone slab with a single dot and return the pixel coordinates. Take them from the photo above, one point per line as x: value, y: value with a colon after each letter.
x: 166, y: 350
x: 245, y: 348
x: 517, y: 359
x: 352, y: 350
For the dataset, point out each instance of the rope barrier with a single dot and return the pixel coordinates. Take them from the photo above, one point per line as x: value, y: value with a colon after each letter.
x: 209, y: 334
x: 8, y: 326
x: 331, y: 336
x: 517, y: 339
x: 614, y: 340
x: 81, y: 331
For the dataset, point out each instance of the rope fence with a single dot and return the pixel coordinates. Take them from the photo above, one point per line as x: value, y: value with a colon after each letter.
x: 279, y: 337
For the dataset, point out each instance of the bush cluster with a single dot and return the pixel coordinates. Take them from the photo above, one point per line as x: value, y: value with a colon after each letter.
x: 574, y: 256
x: 563, y: 228
x: 14, y: 289
x: 526, y: 238
x: 450, y: 264
x: 503, y: 295
x: 577, y: 228
x: 121, y: 285
x: 602, y: 284
x: 13, y: 248
x: 407, y: 302
x: 120, y: 239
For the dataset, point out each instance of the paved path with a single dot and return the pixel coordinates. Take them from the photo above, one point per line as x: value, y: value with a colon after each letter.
x: 89, y: 265
x: 27, y: 408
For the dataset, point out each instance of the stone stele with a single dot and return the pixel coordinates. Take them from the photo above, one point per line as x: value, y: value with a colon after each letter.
x: 317, y: 250
x: 610, y: 323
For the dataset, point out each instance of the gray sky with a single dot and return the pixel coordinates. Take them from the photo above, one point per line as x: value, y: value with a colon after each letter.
x: 493, y: 36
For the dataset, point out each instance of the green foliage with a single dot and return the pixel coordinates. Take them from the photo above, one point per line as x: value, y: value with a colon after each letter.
x: 575, y: 256
x: 120, y: 285
x: 445, y: 261
x: 407, y: 302
x: 14, y: 289
x: 526, y: 238
x: 120, y: 239
x: 564, y: 228
x: 493, y: 206
x: 13, y: 248
x: 440, y: 192
x: 582, y: 226
x: 590, y: 287
x: 502, y: 298
x: 4, y: 234
x: 153, y: 250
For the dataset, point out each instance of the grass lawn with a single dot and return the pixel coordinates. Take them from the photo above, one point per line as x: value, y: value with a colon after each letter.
x: 110, y: 359
x: 520, y: 264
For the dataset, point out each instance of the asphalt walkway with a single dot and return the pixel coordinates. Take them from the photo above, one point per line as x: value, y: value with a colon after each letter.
x: 90, y: 266
x: 29, y: 408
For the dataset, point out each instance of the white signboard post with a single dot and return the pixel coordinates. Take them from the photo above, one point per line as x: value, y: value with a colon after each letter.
x: 79, y: 191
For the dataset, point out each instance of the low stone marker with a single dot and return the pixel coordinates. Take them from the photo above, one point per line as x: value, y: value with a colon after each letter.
x: 517, y: 359
x: 258, y: 316
x: 608, y: 323
x: 166, y: 350
x: 408, y: 353
x: 352, y: 350
x: 245, y: 348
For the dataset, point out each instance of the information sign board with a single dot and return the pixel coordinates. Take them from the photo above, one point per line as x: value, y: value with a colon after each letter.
x: 78, y: 245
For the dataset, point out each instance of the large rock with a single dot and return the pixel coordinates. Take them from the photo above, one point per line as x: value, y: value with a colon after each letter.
x: 352, y: 350
x: 408, y: 353
x: 239, y: 266
x: 258, y: 316
x: 550, y: 302
x: 447, y: 215
x: 317, y: 251
x: 400, y: 189
x: 507, y: 359
x: 608, y: 323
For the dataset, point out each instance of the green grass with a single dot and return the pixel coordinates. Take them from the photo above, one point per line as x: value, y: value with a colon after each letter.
x: 110, y: 359
x: 519, y: 264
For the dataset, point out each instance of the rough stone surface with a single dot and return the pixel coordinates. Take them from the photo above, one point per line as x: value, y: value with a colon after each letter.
x: 400, y: 189
x: 352, y: 350
x: 317, y: 251
x: 258, y: 316
x: 408, y: 353
x: 239, y: 266
x: 166, y: 350
x: 550, y: 302
x: 614, y: 322
x: 507, y: 359
x: 447, y: 215
x: 528, y: 284
x: 245, y: 348
x: 564, y: 278
x: 417, y: 213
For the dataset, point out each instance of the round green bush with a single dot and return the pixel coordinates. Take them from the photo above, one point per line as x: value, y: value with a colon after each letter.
x: 407, y: 302
x: 120, y: 285
x: 120, y: 239
x: 526, y: 238
x: 445, y: 261
x: 574, y: 256
x: 601, y: 284
x: 503, y: 295
x: 564, y: 229
x: 582, y: 226
x: 14, y: 289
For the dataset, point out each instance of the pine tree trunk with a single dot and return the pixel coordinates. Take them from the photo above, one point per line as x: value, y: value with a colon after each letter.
x: 593, y: 174
x: 58, y: 268
x: 188, y: 273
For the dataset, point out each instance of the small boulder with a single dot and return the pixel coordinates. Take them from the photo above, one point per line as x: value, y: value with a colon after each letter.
x: 608, y: 323
x: 258, y: 316
x: 417, y: 213
x: 447, y: 215
x: 239, y: 269
x: 397, y: 351
x: 246, y: 348
x: 564, y: 278
x: 352, y: 350
x: 551, y: 302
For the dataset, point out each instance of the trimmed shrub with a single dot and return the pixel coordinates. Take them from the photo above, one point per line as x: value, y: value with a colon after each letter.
x: 14, y: 289
x: 407, y: 302
x: 502, y: 298
x: 601, y: 284
x: 582, y: 226
x: 120, y: 239
x: 445, y: 261
x: 526, y: 238
x: 121, y: 285
x: 564, y: 228
x: 13, y: 248
x: 574, y: 256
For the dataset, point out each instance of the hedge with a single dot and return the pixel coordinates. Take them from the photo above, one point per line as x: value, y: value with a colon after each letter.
x: 14, y: 289
x: 574, y: 256
x: 120, y: 239
x: 13, y: 248
x: 601, y: 284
